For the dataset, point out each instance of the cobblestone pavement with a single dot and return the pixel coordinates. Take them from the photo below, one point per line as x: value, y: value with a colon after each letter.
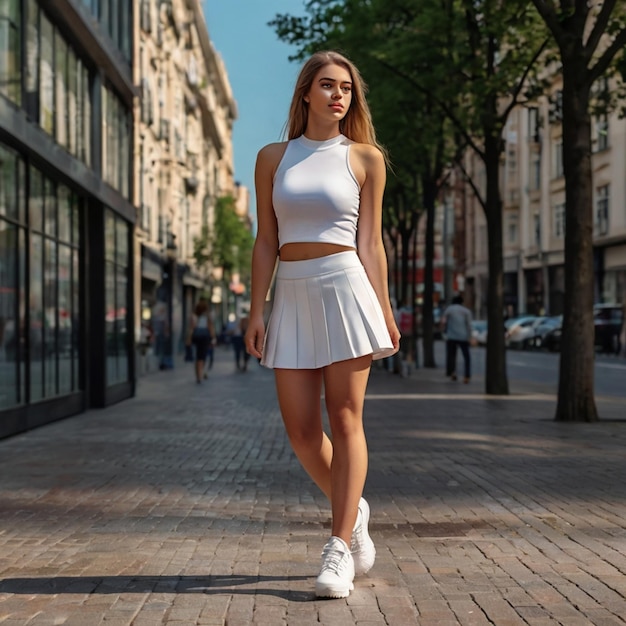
x: 186, y: 506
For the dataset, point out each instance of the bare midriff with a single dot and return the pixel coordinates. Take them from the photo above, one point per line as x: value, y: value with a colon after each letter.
x: 302, y: 251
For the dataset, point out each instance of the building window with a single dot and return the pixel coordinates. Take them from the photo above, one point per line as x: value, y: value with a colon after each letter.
x: 39, y: 301
x: 58, y: 91
x: 46, y: 75
x: 535, y: 170
x: 10, y: 50
x: 116, y: 131
x: 512, y: 229
x: 602, y: 133
x: 537, y: 229
x: 533, y: 125
x: 559, y: 220
x: 12, y: 284
x: 116, y: 298
x: 558, y: 158
x: 601, y: 226
x: 53, y: 288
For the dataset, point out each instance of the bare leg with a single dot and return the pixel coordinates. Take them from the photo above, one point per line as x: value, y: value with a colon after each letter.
x: 199, y: 369
x: 345, y: 383
x: 299, y: 393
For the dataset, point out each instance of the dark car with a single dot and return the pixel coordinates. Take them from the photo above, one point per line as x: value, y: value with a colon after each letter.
x: 543, y: 330
x: 608, y: 320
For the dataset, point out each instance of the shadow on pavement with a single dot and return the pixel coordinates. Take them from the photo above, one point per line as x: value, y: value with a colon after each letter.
x: 210, y: 584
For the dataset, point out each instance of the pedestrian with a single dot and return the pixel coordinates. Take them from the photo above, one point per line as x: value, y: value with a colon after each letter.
x: 331, y: 313
x: 238, y: 330
x: 201, y: 334
x: 457, y: 329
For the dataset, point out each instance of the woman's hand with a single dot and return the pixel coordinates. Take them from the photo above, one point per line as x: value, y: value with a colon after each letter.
x: 254, y: 337
x: 394, y: 333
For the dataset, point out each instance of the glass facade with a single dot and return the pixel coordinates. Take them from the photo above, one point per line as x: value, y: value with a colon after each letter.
x: 116, y: 133
x: 39, y: 343
x: 117, y: 268
x: 115, y: 17
x: 57, y: 85
x: 66, y: 309
x: 10, y: 50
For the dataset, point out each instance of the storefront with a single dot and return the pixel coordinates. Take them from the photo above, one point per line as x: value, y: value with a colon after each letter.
x: 66, y: 220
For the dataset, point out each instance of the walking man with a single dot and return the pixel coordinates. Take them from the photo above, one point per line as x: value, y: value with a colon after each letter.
x: 457, y: 328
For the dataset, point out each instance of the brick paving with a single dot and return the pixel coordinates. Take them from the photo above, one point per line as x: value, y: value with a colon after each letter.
x: 186, y: 506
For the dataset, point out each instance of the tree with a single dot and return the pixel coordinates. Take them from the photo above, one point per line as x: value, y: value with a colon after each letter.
x: 228, y: 244
x: 590, y: 38
x: 374, y: 34
x: 474, y: 59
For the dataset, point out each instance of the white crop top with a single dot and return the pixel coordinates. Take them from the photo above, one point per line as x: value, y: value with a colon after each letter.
x: 316, y: 195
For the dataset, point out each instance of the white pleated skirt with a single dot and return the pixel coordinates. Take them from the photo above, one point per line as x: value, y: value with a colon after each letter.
x: 325, y: 310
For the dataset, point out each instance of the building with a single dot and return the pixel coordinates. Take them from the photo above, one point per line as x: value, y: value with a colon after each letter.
x: 533, y: 198
x: 115, y: 142
x: 66, y: 210
x: 183, y: 164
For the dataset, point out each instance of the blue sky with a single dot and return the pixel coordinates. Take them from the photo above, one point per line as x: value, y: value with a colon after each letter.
x: 261, y: 76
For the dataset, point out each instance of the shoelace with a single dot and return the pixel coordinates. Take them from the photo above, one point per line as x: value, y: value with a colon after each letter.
x: 333, y: 559
x: 357, y: 535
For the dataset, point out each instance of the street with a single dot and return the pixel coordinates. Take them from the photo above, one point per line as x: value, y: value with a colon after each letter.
x: 185, y: 506
x: 539, y: 370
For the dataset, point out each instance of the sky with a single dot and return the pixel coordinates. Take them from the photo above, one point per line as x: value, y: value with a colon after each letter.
x: 261, y: 76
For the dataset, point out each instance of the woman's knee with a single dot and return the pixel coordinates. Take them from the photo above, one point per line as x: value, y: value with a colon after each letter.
x: 346, y: 424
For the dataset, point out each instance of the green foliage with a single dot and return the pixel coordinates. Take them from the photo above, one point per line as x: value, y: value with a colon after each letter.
x: 229, y: 244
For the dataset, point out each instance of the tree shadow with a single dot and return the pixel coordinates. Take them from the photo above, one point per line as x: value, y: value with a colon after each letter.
x: 210, y: 584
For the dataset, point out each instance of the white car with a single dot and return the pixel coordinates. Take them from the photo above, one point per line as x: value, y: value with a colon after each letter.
x: 479, y: 332
x: 520, y: 332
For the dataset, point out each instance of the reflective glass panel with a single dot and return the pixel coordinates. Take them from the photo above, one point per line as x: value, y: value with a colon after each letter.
x: 37, y: 317
x: 60, y: 65
x: 50, y: 320
x: 64, y: 345
x: 35, y: 200
x: 8, y: 191
x: 9, y: 324
x: 46, y: 76
x: 64, y: 213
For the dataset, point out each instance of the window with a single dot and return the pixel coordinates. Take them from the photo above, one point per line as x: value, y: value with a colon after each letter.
x: 116, y: 298
x: 537, y: 229
x: 559, y: 220
x: 512, y: 229
x: 602, y: 132
x: 533, y: 125
x: 535, y: 170
x: 10, y: 50
x: 116, y: 129
x: 39, y: 303
x: 60, y: 75
x: 46, y: 76
x: 601, y: 226
x: 558, y: 158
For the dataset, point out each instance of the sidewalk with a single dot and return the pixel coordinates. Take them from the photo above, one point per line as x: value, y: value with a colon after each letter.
x: 185, y: 506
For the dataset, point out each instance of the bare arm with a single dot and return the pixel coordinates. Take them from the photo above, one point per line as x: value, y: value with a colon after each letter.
x: 369, y: 167
x: 265, y: 251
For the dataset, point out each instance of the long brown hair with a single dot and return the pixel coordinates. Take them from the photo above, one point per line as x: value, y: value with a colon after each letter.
x: 357, y: 124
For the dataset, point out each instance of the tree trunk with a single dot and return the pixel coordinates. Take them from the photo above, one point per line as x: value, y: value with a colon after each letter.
x: 428, y: 344
x: 576, y: 401
x: 496, y: 381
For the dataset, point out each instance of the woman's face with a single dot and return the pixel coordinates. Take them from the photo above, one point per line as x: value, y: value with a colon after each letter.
x: 330, y: 94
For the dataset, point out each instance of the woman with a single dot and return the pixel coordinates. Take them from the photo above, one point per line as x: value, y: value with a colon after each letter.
x: 201, y: 335
x: 331, y: 313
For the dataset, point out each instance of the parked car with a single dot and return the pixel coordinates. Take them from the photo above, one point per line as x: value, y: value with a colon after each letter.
x: 520, y: 331
x: 479, y: 332
x: 552, y: 339
x: 608, y: 320
x: 548, y: 325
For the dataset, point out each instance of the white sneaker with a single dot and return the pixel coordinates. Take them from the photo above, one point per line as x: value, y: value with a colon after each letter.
x: 337, y: 573
x: 362, y: 546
